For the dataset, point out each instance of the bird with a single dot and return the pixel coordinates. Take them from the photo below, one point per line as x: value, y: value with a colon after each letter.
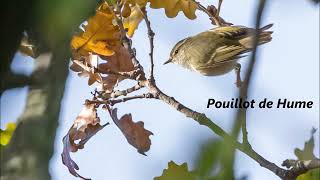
x: 216, y: 51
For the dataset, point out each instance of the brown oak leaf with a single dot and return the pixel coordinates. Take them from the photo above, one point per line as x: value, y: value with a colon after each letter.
x: 85, y: 66
x: 86, y: 125
x: 135, y: 133
x: 119, y: 62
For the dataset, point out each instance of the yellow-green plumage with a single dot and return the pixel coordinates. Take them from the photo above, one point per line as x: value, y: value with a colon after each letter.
x: 215, y: 52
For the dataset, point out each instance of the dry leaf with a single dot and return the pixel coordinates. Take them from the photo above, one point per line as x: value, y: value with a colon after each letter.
x: 86, y: 125
x: 135, y: 133
x: 119, y: 62
x: 85, y: 67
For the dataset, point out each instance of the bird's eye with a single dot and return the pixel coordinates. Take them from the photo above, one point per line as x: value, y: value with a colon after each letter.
x: 176, y: 51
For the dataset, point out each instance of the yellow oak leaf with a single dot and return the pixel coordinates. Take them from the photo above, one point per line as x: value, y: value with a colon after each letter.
x: 99, y: 34
x: 141, y: 3
x: 5, y: 135
x: 173, y: 7
x: 131, y: 23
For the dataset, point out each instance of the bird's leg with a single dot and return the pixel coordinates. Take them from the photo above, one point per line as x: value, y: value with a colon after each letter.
x: 237, y: 70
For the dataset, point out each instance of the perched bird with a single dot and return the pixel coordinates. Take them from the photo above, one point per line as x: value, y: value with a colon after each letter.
x: 216, y: 51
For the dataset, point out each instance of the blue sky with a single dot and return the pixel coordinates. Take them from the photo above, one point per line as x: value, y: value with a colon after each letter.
x: 288, y: 67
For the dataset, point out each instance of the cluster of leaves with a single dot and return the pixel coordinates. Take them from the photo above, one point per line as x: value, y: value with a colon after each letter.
x: 101, y: 39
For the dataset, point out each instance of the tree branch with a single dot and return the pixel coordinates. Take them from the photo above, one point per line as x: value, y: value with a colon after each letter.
x: 116, y: 94
x: 213, y: 13
x: 151, y: 37
x: 13, y: 80
x: 298, y: 167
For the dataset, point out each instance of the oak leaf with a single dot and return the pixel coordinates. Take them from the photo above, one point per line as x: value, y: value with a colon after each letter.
x: 135, y: 133
x: 307, y: 154
x: 173, y: 7
x: 99, y: 35
x: 119, y: 62
x: 175, y: 172
x: 86, y: 67
x: 131, y: 23
x: 86, y: 125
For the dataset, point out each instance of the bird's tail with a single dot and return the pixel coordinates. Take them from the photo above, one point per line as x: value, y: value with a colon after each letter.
x: 263, y: 37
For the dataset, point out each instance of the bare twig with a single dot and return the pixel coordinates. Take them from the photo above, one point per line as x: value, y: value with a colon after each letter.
x: 219, y: 8
x: 240, y: 122
x: 112, y: 102
x: 213, y: 18
x: 213, y: 13
x: 241, y: 114
x: 151, y: 38
x: 125, y: 99
x: 116, y: 94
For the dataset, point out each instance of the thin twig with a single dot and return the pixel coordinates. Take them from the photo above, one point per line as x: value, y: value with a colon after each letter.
x: 151, y: 39
x: 240, y: 122
x: 125, y: 99
x: 212, y: 17
x: 219, y: 8
x: 241, y: 114
x: 116, y: 94
x: 112, y: 102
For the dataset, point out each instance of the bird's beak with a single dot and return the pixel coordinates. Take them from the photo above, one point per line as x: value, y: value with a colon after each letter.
x: 169, y: 61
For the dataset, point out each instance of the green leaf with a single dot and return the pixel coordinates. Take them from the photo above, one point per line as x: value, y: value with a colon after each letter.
x: 176, y: 172
x: 214, y: 160
x: 307, y: 152
x: 310, y: 175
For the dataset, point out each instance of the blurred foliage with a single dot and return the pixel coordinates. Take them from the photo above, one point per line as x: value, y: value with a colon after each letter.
x: 316, y: 1
x: 176, y: 172
x: 214, y: 160
x: 5, y: 135
x: 310, y: 175
x: 211, y: 164
x: 307, y: 154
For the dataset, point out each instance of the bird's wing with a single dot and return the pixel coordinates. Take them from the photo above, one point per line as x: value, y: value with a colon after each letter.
x: 232, y: 32
x: 226, y: 54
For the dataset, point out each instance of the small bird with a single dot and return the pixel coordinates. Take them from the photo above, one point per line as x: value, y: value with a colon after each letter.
x: 216, y: 51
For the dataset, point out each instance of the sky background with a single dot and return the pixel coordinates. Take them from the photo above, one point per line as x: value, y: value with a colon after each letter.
x: 288, y: 67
